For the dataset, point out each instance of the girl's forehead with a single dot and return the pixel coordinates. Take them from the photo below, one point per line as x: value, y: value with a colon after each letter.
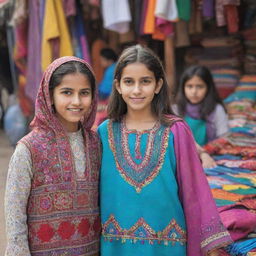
x: 74, y: 80
x: 136, y: 69
x: 195, y: 79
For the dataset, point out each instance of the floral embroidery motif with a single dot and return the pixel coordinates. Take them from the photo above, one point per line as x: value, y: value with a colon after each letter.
x: 142, y: 174
x: 142, y: 232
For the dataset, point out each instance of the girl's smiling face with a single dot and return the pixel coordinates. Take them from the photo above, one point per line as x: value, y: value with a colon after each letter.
x: 138, y: 87
x: 72, y: 99
x: 195, y: 90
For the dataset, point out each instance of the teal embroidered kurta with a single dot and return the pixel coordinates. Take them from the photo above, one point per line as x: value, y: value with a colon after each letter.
x: 140, y: 209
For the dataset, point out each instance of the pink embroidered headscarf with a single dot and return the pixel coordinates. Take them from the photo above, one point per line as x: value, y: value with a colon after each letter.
x: 44, y: 116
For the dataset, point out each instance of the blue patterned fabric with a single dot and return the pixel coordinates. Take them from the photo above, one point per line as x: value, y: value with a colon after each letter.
x: 140, y: 210
x: 241, y: 248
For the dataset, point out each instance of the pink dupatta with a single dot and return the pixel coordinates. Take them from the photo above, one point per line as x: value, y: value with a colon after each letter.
x: 205, y: 231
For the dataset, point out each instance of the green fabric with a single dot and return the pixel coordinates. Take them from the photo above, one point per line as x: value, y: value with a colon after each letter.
x: 198, y: 128
x: 223, y: 202
x: 184, y: 9
x: 243, y: 191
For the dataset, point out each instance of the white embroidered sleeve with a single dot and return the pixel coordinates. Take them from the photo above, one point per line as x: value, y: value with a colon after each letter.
x: 16, y: 197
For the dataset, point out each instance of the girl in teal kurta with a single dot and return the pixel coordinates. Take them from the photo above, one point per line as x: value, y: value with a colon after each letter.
x: 149, y: 196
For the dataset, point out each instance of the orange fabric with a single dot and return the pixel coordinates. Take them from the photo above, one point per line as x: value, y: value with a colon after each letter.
x: 222, y: 194
x: 149, y: 25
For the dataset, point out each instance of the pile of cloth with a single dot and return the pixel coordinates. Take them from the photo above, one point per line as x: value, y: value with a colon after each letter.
x: 223, y: 56
x: 233, y: 181
x: 249, y: 37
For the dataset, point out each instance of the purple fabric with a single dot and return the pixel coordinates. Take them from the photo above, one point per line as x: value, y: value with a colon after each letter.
x: 34, y: 71
x: 165, y: 26
x: 69, y: 7
x: 239, y: 221
x: 193, y: 110
x: 205, y: 230
x: 208, y: 8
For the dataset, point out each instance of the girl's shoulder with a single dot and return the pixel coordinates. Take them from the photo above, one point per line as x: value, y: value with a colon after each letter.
x: 219, y: 108
x: 178, y: 126
x: 103, y: 126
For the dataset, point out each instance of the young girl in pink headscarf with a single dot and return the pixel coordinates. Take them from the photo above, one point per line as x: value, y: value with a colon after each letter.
x: 51, y: 201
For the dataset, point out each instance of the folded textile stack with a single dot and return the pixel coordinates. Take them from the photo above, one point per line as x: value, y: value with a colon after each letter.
x: 222, y: 55
x: 226, y: 80
x: 250, y: 51
x: 246, y: 89
x: 233, y: 181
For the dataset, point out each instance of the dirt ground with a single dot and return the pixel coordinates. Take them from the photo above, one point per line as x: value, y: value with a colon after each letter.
x: 5, y: 153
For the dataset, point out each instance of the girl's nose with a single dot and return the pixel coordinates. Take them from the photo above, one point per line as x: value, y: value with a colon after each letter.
x: 136, y: 88
x: 76, y: 99
x: 194, y: 91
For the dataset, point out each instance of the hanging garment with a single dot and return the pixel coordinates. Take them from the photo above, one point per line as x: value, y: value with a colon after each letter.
x: 56, y: 40
x: 34, y: 69
x: 166, y: 9
x: 150, y: 22
x: 118, y: 17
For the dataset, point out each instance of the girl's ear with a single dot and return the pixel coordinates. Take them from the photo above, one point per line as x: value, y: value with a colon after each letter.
x: 117, y: 85
x: 159, y: 85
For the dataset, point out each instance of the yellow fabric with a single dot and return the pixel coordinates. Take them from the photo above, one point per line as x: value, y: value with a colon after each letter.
x: 234, y: 187
x: 55, y: 27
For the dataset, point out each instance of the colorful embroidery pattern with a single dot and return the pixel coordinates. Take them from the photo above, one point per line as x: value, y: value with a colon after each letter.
x: 142, y: 174
x: 142, y: 232
x: 62, y: 207
x: 213, y: 231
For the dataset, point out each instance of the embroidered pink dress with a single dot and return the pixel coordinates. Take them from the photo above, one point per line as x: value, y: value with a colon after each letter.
x: 52, y: 201
x: 148, y: 206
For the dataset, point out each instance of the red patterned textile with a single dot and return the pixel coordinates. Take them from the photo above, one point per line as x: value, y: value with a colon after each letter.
x: 63, y: 215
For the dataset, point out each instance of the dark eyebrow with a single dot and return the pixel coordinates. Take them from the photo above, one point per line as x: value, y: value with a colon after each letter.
x: 66, y: 88
x: 86, y: 89
x: 147, y: 77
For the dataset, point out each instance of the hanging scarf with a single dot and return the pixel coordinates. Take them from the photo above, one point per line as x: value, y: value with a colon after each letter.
x: 193, y: 110
x: 63, y: 215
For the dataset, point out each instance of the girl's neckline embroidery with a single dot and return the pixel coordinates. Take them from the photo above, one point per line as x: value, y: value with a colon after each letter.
x: 153, y: 129
x: 138, y: 174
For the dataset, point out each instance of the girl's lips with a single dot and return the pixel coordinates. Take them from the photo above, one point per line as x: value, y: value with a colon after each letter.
x: 137, y: 100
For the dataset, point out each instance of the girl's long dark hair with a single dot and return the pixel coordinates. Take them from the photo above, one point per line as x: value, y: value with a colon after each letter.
x: 212, y: 97
x: 161, y: 101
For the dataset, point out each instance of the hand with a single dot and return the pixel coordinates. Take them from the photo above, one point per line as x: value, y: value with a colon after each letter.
x: 207, y: 160
x: 214, y: 253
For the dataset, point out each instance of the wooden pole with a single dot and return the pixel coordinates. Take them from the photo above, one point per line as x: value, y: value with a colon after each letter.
x: 169, y: 59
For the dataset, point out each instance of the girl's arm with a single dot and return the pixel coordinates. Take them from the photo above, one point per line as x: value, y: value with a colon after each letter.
x: 16, y: 197
x: 220, y: 120
x: 206, y: 159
